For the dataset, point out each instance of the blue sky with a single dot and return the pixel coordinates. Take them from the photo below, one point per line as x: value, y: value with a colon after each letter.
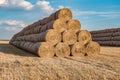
x: 93, y: 14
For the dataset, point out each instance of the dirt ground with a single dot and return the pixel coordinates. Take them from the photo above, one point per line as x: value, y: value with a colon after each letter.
x: 16, y: 64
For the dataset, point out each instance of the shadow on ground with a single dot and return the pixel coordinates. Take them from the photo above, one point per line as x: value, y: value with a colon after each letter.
x: 9, y: 49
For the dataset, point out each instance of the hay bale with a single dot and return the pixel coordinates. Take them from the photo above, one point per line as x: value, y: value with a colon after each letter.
x: 69, y: 37
x: 116, y: 43
x: 116, y: 34
x: 101, y: 39
x: 93, y: 48
x: 102, y: 35
x: 58, y: 24
x: 21, y: 44
x: 62, y: 50
x: 51, y: 36
x: 109, y: 43
x: 42, y: 49
x: 105, y: 43
x: 73, y: 25
x: 64, y: 13
x: 78, y: 50
x: 84, y: 37
x: 113, y: 30
x: 116, y: 38
x: 45, y: 50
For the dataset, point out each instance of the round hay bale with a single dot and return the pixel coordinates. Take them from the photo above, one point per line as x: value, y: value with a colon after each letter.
x: 27, y: 27
x: 53, y: 37
x: 15, y: 43
x: 62, y: 50
x: 45, y: 50
x: 42, y: 49
x: 84, y: 37
x: 73, y: 25
x: 25, y: 46
x: 22, y: 44
x: 102, y: 35
x: 93, y: 48
x: 78, y: 50
x: 69, y: 37
x: 102, y: 39
x: 115, y: 43
x: 58, y: 24
x: 64, y: 13
x: 116, y: 34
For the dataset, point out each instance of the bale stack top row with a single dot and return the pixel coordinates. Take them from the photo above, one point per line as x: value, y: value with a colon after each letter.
x: 56, y: 35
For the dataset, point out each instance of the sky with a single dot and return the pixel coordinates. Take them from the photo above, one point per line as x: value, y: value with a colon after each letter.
x: 92, y: 14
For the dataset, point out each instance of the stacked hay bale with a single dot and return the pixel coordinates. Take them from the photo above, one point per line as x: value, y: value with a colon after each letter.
x: 56, y: 35
x: 107, y: 37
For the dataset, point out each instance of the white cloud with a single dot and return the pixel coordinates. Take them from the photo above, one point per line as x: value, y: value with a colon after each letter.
x: 13, y: 4
x: 78, y: 12
x: 25, y: 5
x: 44, y: 5
x: 102, y: 14
x: 110, y: 15
x: 60, y: 7
x: 11, y: 28
x: 2, y: 1
x: 12, y: 25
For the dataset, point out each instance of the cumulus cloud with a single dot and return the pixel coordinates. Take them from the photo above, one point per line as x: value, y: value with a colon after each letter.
x: 12, y: 25
x: 44, y: 5
x: 25, y: 5
x: 14, y: 4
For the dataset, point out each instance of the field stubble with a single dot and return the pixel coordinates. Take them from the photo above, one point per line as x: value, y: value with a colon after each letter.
x: 16, y: 64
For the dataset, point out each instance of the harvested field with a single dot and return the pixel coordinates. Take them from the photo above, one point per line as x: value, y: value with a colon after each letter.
x: 16, y: 64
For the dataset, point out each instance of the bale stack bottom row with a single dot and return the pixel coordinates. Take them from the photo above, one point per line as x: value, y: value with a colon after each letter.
x: 56, y: 35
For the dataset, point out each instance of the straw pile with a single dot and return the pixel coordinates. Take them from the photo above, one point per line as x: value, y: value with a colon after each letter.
x: 57, y: 35
x: 107, y: 37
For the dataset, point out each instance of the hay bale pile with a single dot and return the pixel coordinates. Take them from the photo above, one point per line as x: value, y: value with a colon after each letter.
x: 107, y: 37
x: 57, y: 35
